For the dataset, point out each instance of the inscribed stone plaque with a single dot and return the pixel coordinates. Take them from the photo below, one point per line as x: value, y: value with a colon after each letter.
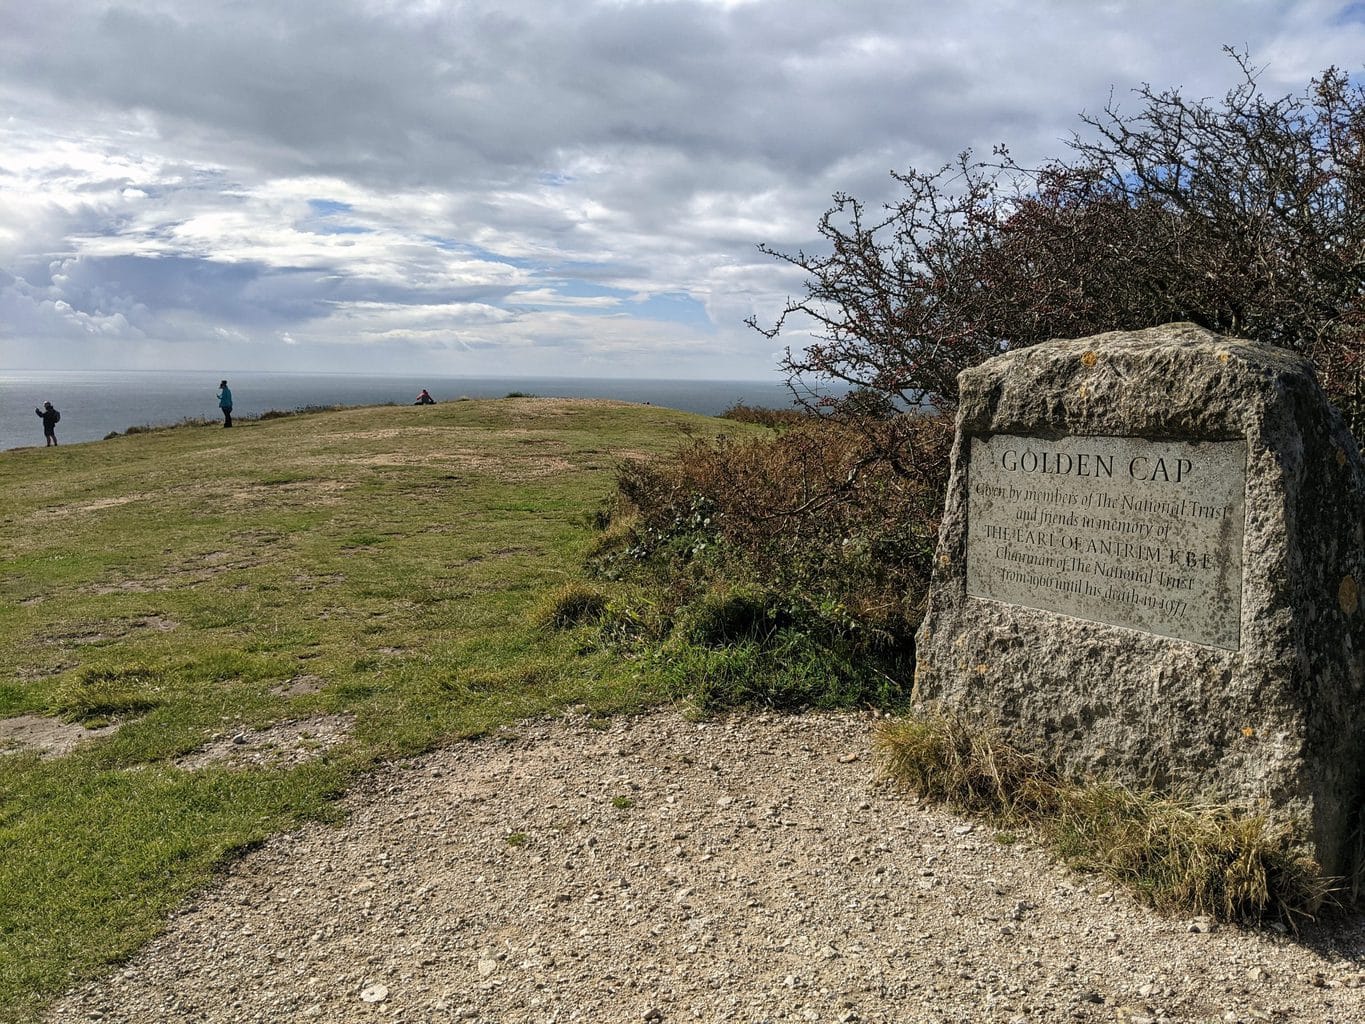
x: 1121, y: 530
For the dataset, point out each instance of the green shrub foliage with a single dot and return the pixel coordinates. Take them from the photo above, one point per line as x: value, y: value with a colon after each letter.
x: 784, y: 570
x: 778, y: 419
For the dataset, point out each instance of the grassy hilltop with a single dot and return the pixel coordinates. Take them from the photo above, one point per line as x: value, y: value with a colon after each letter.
x: 233, y: 624
x: 373, y: 572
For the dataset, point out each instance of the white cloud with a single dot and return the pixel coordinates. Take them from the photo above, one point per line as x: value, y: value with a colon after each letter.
x: 551, y: 297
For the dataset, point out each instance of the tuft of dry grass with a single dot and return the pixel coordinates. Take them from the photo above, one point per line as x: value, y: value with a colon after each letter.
x: 97, y: 696
x: 573, y: 604
x: 616, y: 533
x: 969, y: 769
x: 1180, y: 856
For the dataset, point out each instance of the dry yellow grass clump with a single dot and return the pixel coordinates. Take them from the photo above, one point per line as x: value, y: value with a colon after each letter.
x: 1180, y: 855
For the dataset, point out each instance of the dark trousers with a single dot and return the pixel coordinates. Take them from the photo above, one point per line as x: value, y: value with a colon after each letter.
x: 227, y: 415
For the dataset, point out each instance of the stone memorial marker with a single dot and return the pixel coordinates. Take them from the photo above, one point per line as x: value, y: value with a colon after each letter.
x: 1149, y: 569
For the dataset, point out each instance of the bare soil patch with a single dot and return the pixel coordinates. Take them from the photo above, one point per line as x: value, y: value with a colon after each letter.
x: 157, y: 622
x: 32, y: 673
x: 50, y: 737
x: 309, y: 582
x: 555, y: 408
x: 93, y: 633
x: 131, y: 586
x: 80, y: 636
x: 98, y: 505
x: 299, y: 686
x: 387, y: 433
x: 499, y: 467
x: 318, y: 492
x: 190, y: 572
x: 283, y: 744
x: 524, y: 467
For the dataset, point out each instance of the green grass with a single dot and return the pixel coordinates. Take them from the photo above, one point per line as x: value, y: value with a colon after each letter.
x: 173, y: 582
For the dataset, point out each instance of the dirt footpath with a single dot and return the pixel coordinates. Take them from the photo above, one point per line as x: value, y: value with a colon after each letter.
x: 750, y: 869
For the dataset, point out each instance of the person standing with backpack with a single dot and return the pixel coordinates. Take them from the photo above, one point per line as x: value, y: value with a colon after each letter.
x: 51, y: 417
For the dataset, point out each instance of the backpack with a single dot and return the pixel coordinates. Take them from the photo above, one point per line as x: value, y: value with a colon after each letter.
x: 56, y: 416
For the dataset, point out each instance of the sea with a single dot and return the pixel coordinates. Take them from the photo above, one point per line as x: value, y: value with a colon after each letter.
x: 96, y: 403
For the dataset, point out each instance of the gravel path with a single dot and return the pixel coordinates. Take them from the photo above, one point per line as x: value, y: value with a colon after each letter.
x: 750, y: 869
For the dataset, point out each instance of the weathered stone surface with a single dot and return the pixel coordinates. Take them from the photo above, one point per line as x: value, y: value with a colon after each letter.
x: 1149, y: 569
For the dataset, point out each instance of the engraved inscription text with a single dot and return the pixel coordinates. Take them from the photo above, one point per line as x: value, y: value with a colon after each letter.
x: 1122, y: 530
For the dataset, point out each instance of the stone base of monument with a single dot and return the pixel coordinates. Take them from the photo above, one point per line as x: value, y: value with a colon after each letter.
x: 1149, y: 571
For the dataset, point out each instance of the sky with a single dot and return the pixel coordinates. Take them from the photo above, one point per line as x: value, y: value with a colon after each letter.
x: 522, y: 187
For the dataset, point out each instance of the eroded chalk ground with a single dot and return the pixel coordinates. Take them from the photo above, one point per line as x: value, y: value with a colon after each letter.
x: 281, y: 744
x: 50, y: 737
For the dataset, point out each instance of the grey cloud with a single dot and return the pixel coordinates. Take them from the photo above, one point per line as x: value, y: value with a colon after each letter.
x: 247, y: 295
x: 488, y: 92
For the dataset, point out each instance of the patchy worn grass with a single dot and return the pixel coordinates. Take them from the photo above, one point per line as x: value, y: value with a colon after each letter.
x: 384, y: 564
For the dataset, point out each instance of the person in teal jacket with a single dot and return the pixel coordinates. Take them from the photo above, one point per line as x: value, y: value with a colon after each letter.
x: 225, y: 402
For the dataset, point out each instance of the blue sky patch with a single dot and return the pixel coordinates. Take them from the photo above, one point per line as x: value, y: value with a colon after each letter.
x: 1352, y: 12
x: 479, y: 252
x: 673, y: 307
x: 342, y: 229
x: 328, y: 207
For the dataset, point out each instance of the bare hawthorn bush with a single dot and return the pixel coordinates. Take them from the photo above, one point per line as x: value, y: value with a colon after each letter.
x: 1245, y: 216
